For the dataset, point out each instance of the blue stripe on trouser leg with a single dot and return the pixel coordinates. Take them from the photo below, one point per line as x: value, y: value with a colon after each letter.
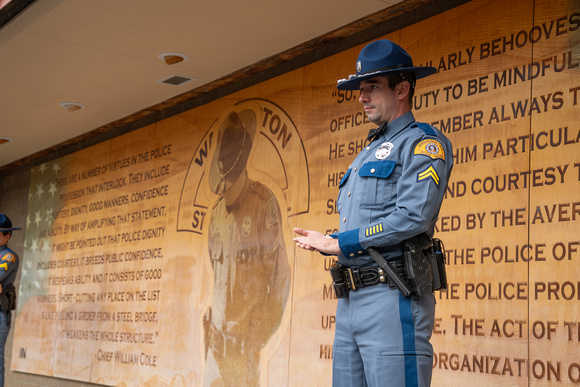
x: 417, y: 319
x: 408, y: 331
x: 372, y: 345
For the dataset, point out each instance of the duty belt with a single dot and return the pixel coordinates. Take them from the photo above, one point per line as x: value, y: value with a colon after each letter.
x: 218, y: 341
x: 346, y: 279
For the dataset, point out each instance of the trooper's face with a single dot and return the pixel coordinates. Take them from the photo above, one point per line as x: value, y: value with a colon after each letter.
x: 4, y: 238
x: 381, y: 103
x: 232, y: 153
x: 231, y: 150
x: 378, y: 99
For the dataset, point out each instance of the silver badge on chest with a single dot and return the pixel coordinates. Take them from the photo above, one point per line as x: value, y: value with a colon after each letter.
x: 384, y: 150
x: 246, y: 226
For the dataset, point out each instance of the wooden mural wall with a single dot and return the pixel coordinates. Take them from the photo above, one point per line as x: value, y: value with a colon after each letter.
x: 165, y: 256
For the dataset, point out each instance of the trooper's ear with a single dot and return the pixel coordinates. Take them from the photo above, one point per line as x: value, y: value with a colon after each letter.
x: 403, y: 88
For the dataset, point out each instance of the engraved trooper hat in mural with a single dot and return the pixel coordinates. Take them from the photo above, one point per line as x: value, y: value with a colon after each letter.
x: 6, y: 224
x: 235, y: 137
x: 382, y: 57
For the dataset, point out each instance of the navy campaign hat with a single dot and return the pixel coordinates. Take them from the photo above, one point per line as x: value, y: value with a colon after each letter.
x: 382, y: 57
x: 6, y: 224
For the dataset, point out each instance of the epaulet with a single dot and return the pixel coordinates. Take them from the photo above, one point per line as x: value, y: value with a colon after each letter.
x: 428, y: 129
x: 261, y: 190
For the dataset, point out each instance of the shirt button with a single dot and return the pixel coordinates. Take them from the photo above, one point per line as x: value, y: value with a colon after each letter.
x: 372, y: 170
x: 348, y: 194
x: 368, y: 147
x: 354, y: 169
x: 360, y: 252
x: 351, y: 254
x: 343, y: 220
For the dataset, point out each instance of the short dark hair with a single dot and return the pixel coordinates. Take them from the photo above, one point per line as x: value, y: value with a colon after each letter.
x: 6, y: 232
x: 395, y: 78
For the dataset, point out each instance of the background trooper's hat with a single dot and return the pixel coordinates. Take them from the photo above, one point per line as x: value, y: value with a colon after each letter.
x: 6, y: 224
x: 235, y: 138
x: 382, y: 57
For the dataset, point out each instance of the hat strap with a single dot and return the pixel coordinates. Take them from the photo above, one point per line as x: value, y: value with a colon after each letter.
x: 399, y: 66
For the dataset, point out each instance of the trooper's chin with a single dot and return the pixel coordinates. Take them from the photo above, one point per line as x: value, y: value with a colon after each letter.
x: 374, y: 118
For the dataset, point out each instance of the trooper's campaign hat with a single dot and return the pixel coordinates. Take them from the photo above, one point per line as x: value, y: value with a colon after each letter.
x: 6, y: 224
x: 235, y: 138
x: 382, y: 57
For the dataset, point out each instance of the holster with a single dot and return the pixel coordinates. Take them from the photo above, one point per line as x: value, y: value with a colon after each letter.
x: 417, y: 265
x: 424, y: 264
x: 8, y: 298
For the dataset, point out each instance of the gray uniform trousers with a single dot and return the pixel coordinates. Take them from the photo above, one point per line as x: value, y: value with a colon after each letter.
x: 390, y: 333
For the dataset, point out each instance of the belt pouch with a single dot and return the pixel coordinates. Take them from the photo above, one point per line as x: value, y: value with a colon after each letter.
x: 338, y: 281
x: 437, y: 259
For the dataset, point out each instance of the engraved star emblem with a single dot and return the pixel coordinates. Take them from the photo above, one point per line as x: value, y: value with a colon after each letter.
x: 34, y: 246
x: 49, y: 215
x: 37, y: 218
x: 39, y: 190
x: 52, y: 189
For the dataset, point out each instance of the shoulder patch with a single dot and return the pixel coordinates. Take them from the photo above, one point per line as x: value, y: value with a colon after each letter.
x: 430, y: 147
x: 9, y: 257
x: 272, y: 214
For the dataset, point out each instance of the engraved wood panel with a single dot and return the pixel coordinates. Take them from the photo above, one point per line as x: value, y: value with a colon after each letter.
x: 164, y: 256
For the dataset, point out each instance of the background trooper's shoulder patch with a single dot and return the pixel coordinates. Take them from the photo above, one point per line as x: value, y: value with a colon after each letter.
x: 272, y: 214
x: 430, y: 147
x: 9, y: 257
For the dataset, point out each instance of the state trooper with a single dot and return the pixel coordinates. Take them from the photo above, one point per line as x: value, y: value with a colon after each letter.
x: 249, y: 261
x: 8, y: 270
x: 391, y: 193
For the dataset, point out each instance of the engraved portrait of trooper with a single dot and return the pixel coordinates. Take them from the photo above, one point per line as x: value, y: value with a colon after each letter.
x: 248, y: 258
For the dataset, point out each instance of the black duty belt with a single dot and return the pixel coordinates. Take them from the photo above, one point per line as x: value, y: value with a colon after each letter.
x: 346, y: 279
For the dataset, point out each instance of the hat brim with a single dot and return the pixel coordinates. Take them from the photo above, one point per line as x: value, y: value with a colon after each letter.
x: 10, y: 229
x: 354, y: 80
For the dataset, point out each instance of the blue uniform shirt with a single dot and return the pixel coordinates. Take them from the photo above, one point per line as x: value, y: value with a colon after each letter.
x: 8, y: 265
x: 393, y: 190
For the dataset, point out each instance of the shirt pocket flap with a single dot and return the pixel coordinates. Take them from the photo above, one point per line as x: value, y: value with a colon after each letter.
x: 344, y: 178
x: 378, y: 169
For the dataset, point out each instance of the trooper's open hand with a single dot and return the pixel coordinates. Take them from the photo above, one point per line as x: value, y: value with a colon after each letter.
x: 316, y: 241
